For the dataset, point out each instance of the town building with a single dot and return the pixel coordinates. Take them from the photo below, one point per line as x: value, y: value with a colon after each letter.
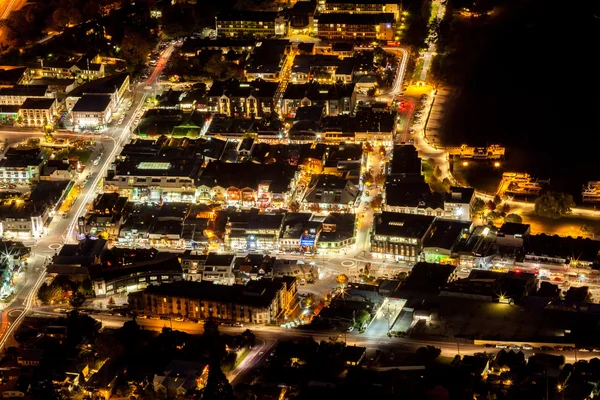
x: 485, y: 285
x: 215, y: 268
x: 338, y: 234
x: 92, y: 112
x: 444, y: 239
x: 259, y: 302
x: 242, y: 99
x: 116, y: 86
x: 27, y: 218
x: 322, y: 69
x: 127, y: 278
x: 38, y: 112
x: 250, y: 24
x: 17, y: 94
x: 361, y: 6
x: 268, y: 60
x: 246, y: 185
x: 162, y: 169
x: 299, y: 233
x: 253, y: 230
x: 399, y: 236
x: 346, y: 26
x: 335, y: 98
x: 415, y: 197
x: 543, y: 250
x: 20, y: 165
x: 57, y: 170
x: 331, y: 192
x: 104, y: 217
x: 405, y: 163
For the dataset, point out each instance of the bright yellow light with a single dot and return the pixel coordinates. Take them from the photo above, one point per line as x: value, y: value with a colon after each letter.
x: 496, y: 164
x: 465, y: 163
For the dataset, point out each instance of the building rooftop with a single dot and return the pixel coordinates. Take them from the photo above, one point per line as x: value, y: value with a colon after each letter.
x: 234, y: 88
x: 402, y: 225
x: 412, y: 194
x: 428, y: 277
x: 37, y: 103
x: 106, y: 85
x: 242, y: 175
x: 460, y: 195
x: 563, y: 247
x: 25, y: 90
x: 219, y: 260
x: 156, y: 265
x: 405, y: 160
x: 259, y: 293
x: 444, y: 234
x: 356, y: 19
x: 92, y: 103
x: 337, y: 227
x: 315, y: 91
x: 246, y: 15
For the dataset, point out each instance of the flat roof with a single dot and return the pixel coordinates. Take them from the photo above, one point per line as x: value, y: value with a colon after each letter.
x: 445, y: 233
x: 402, y: 225
x: 32, y: 103
x: 356, y: 19
x: 92, y: 103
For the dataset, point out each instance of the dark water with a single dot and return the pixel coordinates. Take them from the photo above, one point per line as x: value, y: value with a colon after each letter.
x: 532, y: 84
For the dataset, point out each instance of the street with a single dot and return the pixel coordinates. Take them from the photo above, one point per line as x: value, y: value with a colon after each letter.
x: 62, y: 230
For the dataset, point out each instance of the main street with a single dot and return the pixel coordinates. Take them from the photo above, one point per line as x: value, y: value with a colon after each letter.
x: 63, y: 230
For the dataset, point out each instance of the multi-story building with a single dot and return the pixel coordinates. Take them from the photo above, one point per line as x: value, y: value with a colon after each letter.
x: 251, y: 23
x: 261, y: 302
x: 368, y: 27
x: 399, y: 236
x: 242, y: 99
x: 416, y: 198
x: 27, y: 218
x: 361, y: 6
x: 110, y: 280
x: 38, y: 112
x: 335, y: 98
x: 331, y: 192
x: 247, y: 184
x: 253, y: 230
x: 116, y: 86
x: 57, y: 170
x: 338, y: 234
x: 105, y: 215
x: 20, y: 166
x: 17, y: 94
x: 215, y: 268
x: 92, y: 112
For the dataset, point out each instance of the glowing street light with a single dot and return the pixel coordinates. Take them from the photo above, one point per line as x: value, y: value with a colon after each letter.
x: 465, y: 164
x: 496, y: 164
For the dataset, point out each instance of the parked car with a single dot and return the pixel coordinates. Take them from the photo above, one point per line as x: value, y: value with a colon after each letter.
x: 515, y: 347
x: 350, y: 329
x: 527, y: 347
x: 501, y: 346
x: 546, y: 348
x: 238, y: 325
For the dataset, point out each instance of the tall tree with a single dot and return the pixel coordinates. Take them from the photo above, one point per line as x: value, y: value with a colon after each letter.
x: 553, y: 205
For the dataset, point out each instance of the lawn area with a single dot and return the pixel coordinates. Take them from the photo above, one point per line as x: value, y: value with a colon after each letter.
x: 418, y: 69
x: 566, y: 226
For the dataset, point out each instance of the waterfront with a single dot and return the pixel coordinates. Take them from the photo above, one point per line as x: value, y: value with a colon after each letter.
x: 526, y: 92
